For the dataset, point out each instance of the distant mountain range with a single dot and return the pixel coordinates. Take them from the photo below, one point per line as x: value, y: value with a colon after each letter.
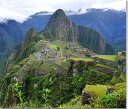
x: 111, y: 24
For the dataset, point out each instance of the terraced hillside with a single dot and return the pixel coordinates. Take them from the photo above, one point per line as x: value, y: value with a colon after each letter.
x: 102, y: 95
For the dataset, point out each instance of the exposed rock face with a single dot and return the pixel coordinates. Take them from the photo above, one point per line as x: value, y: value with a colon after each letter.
x: 60, y: 27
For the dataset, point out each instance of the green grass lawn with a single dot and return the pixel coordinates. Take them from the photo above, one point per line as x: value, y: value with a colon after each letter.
x: 108, y: 57
x: 61, y: 47
x: 55, y: 46
x: 84, y: 59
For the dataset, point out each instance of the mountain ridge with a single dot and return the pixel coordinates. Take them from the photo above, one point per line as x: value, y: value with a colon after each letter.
x: 60, y: 27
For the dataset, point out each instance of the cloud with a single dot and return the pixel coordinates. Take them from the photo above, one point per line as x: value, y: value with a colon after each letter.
x: 21, y: 9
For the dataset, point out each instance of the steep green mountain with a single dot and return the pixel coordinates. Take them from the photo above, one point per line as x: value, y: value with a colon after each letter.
x: 14, y: 29
x: 111, y: 24
x: 60, y: 27
x: 6, y: 44
x: 46, y: 73
x: 11, y: 34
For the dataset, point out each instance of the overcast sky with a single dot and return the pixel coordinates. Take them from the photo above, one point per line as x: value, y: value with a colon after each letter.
x: 21, y: 9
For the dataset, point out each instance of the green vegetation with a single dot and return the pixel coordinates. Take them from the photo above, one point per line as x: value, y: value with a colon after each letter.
x: 106, y: 66
x: 55, y: 47
x: 19, y: 94
x: 75, y: 103
x: 115, y: 99
x: 43, y: 72
x: 64, y: 64
x: 96, y: 90
x: 28, y: 47
x: 59, y: 46
x: 70, y: 52
x: 120, y: 56
x: 119, y: 86
x: 45, y: 95
x: 108, y: 57
x: 123, y: 76
x: 115, y: 79
x: 97, y: 77
x: 83, y: 59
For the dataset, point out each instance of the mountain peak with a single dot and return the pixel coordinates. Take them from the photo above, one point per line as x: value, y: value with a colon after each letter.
x: 59, y: 11
x: 60, y: 26
x: 58, y: 14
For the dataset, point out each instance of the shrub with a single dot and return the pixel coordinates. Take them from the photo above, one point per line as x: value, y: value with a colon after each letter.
x: 114, y: 100
x: 96, y: 90
x: 119, y: 86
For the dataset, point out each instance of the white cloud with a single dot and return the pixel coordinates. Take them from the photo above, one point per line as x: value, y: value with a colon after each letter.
x: 21, y: 9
